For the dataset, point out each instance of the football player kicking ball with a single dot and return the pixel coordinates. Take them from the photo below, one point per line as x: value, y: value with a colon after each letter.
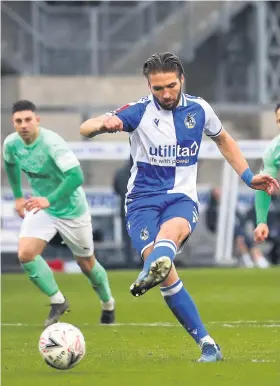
x: 165, y: 132
x: 58, y: 205
x: 271, y: 161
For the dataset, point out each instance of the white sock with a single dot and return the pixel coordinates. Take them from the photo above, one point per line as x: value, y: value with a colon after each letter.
x: 261, y: 262
x: 247, y: 261
x: 57, y: 298
x: 108, y: 306
x: 207, y: 339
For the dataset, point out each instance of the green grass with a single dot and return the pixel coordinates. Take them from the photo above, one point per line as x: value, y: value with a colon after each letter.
x: 144, y: 355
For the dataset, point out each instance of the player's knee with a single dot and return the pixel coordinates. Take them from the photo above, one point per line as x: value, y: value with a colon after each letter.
x: 177, y: 235
x: 29, y: 248
x: 26, y: 254
x: 176, y: 229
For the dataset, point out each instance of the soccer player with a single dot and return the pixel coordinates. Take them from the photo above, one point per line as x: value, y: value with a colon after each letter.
x: 165, y: 130
x: 58, y: 204
x: 271, y: 162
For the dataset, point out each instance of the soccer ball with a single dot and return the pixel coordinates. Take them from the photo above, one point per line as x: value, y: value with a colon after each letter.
x: 62, y: 346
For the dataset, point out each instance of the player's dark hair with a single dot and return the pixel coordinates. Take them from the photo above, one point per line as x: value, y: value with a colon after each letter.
x: 163, y: 62
x: 277, y: 107
x: 23, y: 105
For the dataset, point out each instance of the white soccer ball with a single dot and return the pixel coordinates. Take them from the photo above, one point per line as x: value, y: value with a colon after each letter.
x: 62, y: 345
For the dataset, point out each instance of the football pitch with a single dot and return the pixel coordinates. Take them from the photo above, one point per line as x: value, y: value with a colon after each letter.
x: 147, y: 347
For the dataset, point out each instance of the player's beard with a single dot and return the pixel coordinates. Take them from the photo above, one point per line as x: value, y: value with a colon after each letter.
x: 171, y: 106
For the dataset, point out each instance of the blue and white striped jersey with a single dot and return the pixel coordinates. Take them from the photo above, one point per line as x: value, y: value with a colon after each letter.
x: 165, y: 144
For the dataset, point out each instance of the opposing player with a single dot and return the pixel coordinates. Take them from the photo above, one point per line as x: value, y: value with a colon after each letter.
x: 59, y: 205
x: 271, y: 162
x: 165, y: 132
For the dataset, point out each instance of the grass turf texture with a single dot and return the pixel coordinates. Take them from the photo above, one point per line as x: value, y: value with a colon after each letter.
x: 134, y: 355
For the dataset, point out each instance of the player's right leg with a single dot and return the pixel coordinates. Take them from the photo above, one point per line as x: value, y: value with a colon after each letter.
x: 36, y: 231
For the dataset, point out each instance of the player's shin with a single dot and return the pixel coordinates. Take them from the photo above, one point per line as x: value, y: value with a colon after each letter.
x: 184, y: 309
x: 100, y: 283
x: 42, y: 276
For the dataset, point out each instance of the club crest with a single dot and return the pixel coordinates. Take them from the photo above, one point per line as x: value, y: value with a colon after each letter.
x: 144, y: 234
x: 190, y: 121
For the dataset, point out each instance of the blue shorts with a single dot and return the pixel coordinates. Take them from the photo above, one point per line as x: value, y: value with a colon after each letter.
x: 145, y: 216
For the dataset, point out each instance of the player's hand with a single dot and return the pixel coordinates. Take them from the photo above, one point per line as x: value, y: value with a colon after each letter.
x: 264, y: 182
x: 113, y: 124
x: 19, y: 205
x: 261, y: 233
x: 36, y: 203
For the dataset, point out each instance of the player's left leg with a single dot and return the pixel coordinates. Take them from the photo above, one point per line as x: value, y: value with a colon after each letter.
x: 77, y: 235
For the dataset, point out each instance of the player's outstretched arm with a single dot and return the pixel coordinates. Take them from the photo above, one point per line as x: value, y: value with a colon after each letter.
x: 232, y: 153
x: 100, y: 125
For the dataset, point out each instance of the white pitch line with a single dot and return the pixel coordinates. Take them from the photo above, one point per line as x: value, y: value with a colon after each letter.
x: 262, y: 361
x: 159, y: 324
x: 229, y: 324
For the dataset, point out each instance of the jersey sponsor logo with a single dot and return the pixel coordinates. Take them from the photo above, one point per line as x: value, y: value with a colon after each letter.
x: 190, y: 121
x: 173, y: 154
x: 21, y: 152
x: 35, y: 175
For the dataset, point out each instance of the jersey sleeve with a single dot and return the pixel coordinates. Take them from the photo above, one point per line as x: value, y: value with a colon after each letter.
x: 212, y: 125
x: 59, y: 151
x: 130, y: 114
x: 8, y: 153
x: 271, y: 154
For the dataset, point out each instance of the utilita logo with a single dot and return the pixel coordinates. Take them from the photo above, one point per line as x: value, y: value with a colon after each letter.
x: 173, y: 151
